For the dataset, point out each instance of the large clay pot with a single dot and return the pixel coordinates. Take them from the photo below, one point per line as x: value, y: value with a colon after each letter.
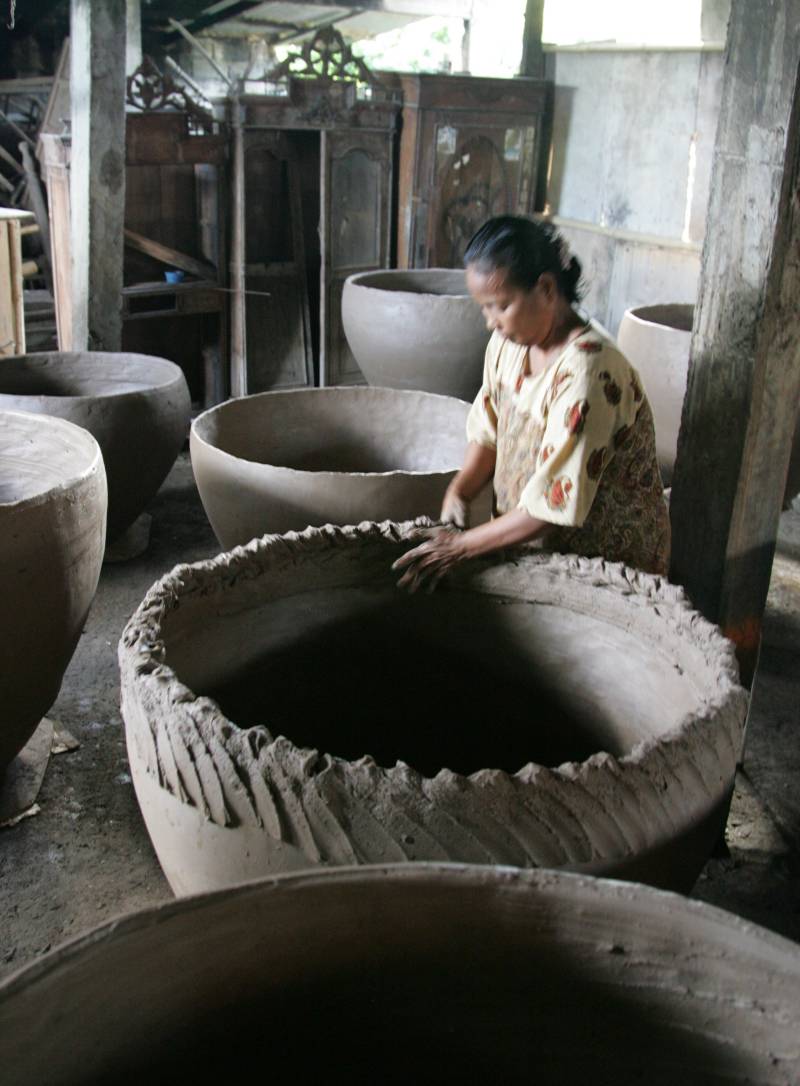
x: 416, y: 329
x: 657, y: 340
x: 135, y: 405
x: 286, y: 705
x: 53, y: 502
x: 414, y: 974
x: 280, y: 461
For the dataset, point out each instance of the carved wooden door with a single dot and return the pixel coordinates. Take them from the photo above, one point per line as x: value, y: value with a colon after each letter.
x: 478, y: 172
x: 356, y: 182
x: 279, y: 347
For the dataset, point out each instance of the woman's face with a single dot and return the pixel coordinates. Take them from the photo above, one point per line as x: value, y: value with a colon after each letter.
x: 523, y: 316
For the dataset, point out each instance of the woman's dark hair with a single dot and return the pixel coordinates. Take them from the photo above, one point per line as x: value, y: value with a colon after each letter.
x: 524, y: 249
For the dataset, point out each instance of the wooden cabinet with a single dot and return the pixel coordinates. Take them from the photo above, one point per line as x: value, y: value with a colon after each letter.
x: 318, y: 177
x: 470, y: 148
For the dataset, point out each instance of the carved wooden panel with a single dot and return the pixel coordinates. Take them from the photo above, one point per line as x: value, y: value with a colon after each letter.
x: 356, y: 232
x: 470, y: 148
x: 279, y: 350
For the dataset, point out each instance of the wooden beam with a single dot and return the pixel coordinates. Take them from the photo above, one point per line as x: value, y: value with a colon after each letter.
x: 97, y: 181
x: 167, y: 255
x: 744, y: 378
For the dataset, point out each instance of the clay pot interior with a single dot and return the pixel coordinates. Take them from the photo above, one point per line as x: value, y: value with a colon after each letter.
x: 425, y: 973
x: 49, y: 375
x: 426, y: 680
x: 338, y: 431
x: 439, y: 282
x: 136, y: 406
x: 281, y: 461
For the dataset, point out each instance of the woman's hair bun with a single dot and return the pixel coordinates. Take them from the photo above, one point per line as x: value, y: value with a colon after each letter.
x: 525, y: 248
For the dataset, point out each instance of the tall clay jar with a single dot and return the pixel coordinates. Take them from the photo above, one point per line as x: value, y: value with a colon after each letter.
x: 53, y: 505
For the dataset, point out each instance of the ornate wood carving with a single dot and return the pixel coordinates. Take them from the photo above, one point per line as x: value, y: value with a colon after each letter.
x: 150, y: 90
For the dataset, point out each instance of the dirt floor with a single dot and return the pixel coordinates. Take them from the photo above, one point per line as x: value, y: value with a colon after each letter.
x: 86, y: 857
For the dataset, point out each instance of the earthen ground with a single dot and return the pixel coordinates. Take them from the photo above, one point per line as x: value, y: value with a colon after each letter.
x: 86, y: 857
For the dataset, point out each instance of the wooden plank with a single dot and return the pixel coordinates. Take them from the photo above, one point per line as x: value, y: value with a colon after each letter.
x: 744, y: 377
x: 165, y: 254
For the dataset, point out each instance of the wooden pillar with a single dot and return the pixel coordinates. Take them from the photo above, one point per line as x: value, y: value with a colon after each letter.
x: 744, y: 377
x: 238, y: 257
x: 97, y: 177
x: 532, y: 63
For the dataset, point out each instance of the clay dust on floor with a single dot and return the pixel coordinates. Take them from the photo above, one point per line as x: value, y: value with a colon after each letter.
x: 86, y: 857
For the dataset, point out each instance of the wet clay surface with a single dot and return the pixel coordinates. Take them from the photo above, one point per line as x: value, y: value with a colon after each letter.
x: 359, y: 689
x: 86, y: 857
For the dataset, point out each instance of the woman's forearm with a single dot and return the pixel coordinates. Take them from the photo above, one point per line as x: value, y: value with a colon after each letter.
x: 507, y: 530
x: 477, y: 470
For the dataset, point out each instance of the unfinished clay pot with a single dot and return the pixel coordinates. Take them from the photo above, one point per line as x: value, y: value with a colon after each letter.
x: 280, y: 461
x: 657, y: 340
x: 286, y: 705
x: 53, y: 502
x: 413, y: 974
x: 135, y: 405
x: 416, y: 329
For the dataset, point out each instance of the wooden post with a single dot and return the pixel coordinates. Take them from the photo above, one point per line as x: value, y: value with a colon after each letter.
x: 744, y: 377
x: 238, y: 242
x: 97, y: 174
x: 532, y: 63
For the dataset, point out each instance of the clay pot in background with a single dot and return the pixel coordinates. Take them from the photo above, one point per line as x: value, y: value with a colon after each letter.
x: 53, y: 502
x: 136, y: 406
x: 657, y: 340
x: 416, y: 329
x: 286, y: 705
x: 421, y: 973
x: 281, y: 461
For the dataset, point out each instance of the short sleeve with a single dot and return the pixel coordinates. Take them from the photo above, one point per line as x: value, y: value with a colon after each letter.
x: 482, y: 417
x: 591, y: 402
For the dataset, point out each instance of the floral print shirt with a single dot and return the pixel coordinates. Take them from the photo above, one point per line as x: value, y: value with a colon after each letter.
x: 576, y: 447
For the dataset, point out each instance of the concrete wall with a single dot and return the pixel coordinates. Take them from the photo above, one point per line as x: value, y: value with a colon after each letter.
x: 633, y: 140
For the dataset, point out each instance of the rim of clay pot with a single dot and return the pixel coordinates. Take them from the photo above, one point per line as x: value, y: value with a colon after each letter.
x: 678, y: 972
x: 535, y: 885
x: 202, y: 421
x: 36, y: 423
x: 113, y: 362
x: 671, y: 316
x: 363, y: 280
x: 692, y: 756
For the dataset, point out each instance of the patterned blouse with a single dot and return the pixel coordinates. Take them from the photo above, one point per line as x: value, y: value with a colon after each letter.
x: 576, y: 447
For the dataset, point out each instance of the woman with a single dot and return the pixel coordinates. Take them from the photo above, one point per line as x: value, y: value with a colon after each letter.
x: 561, y: 424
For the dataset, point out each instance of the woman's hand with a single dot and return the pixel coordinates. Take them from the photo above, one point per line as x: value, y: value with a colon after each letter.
x: 425, y: 565
x: 445, y: 547
x: 455, y: 509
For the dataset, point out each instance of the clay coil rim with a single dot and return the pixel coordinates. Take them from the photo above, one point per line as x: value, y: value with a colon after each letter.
x: 173, y: 375
x: 38, y: 421
x: 627, y: 795
x: 359, y: 280
x: 203, y: 419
